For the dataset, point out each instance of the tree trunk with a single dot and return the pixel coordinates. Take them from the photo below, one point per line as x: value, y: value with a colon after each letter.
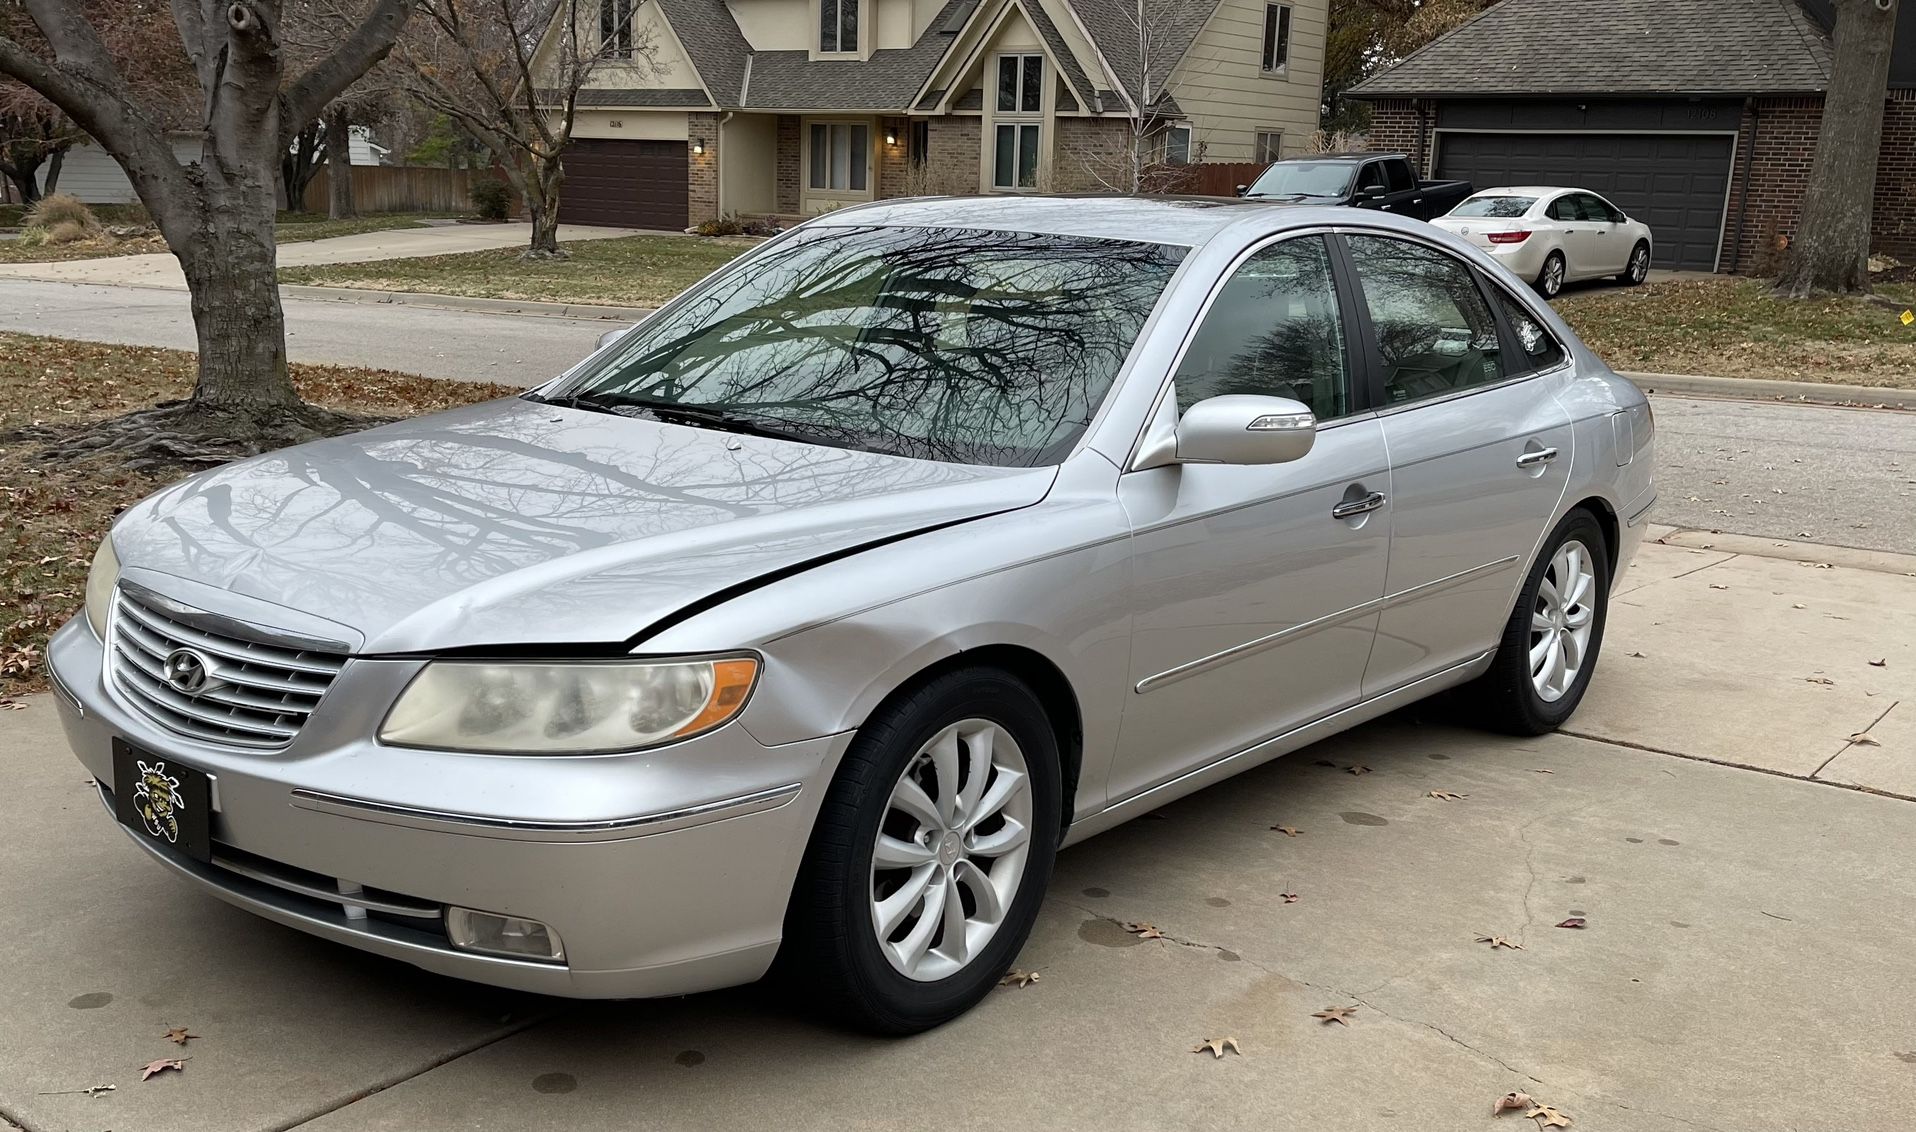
x: 542, y: 202
x: 50, y: 183
x: 1831, y: 249
x: 24, y: 181
x: 339, y: 166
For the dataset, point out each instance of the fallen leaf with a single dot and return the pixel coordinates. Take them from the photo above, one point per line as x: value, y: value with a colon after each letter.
x: 1288, y: 831
x: 1445, y: 795
x: 1511, y: 1101
x: 1823, y: 566
x: 1548, y: 1117
x: 1638, y: 655
x: 1289, y: 897
x: 1496, y: 941
x: 1883, y: 663
x: 1818, y: 680
x: 1325, y: 762
x: 1358, y: 769
x: 1540, y: 770
x: 1144, y: 931
x: 1338, y: 1014
x: 1572, y: 922
x: 1217, y: 1046
x: 12, y: 705
x: 1715, y: 586
x: 177, y: 1064
x: 1863, y: 740
x: 178, y: 1035
x: 1799, y: 605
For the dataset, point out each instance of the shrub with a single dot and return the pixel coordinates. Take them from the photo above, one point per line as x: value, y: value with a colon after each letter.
x: 723, y: 226
x: 66, y: 232
x: 51, y: 211
x: 493, y: 199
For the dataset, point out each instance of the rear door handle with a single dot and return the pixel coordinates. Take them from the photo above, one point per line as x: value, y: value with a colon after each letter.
x: 1540, y: 456
x: 1357, y: 507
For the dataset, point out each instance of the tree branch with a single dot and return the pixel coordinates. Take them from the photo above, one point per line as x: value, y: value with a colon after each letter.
x: 371, y: 40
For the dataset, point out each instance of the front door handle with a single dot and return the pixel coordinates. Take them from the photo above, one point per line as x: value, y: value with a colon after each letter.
x: 1355, y: 507
x: 1540, y: 456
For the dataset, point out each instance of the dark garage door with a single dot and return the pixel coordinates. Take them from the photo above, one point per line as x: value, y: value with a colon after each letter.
x: 625, y: 184
x: 1675, y: 183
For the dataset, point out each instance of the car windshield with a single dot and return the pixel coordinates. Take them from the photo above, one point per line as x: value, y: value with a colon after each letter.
x: 961, y: 345
x: 1494, y: 206
x: 1299, y: 179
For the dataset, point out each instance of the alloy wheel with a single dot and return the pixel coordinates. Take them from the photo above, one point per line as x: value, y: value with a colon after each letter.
x: 1561, y: 621
x: 951, y: 849
x: 1639, y: 265
x: 1553, y: 276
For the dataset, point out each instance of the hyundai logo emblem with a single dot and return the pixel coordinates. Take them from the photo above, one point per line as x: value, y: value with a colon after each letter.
x: 187, y: 671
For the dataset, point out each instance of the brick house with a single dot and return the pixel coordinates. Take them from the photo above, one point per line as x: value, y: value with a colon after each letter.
x: 789, y: 107
x: 1697, y: 116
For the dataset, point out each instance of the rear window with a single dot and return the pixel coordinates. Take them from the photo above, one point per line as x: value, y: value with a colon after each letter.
x: 1494, y: 206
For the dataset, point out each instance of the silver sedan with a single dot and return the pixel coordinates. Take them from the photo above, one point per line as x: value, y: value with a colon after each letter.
x: 808, y: 619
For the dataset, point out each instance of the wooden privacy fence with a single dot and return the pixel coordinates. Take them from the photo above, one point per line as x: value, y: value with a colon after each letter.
x: 392, y: 188
x: 1209, y: 179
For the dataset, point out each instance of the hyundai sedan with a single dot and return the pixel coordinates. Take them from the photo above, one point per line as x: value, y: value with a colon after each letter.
x: 808, y: 619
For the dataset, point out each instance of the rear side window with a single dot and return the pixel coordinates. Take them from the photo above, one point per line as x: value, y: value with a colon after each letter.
x: 1399, y: 174
x: 1540, y: 348
x: 1434, y: 330
x: 1274, y: 330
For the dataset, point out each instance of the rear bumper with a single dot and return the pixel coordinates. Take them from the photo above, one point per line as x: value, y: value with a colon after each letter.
x: 662, y: 874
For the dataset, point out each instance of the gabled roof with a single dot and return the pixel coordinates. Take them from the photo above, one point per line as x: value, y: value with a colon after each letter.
x: 1620, y: 47
x: 1171, y: 26
x: 886, y: 81
x: 713, y: 43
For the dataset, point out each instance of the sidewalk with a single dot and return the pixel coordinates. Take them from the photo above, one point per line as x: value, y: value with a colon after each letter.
x: 161, y: 269
x: 1745, y: 963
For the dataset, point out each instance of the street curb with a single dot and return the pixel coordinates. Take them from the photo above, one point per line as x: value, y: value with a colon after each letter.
x: 1757, y: 546
x: 1764, y: 389
x: 524, y: 307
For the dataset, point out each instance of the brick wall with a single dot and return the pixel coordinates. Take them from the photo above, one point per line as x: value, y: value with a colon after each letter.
x: 1894, y: 226
x: 894, y: 162
x: 951, y: 163
x: 1394, y: 128
x: 1764, y: 201
x: 788, y: 163
x: 1091, y: 154
x: 701, y: 178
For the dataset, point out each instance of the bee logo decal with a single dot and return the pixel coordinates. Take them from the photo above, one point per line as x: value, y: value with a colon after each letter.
x: 156, y: 796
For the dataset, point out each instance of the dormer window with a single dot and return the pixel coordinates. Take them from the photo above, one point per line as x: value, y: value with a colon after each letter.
x: 615, y: 29
x: 837, y: 26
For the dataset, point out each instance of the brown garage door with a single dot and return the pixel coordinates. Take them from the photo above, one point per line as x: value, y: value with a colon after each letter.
x: 625, y: 184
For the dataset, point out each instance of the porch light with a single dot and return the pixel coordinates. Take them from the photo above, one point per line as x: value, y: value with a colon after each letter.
x: 891, y: 137
x: 698, y: 145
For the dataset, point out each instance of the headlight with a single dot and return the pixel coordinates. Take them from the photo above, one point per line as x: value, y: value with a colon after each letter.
x: 571, y: 709
x: 99, y: 586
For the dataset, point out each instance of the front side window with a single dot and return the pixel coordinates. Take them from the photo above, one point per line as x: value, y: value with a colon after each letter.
x: 1595, y: 208
x: 1399, y: 174
x: 1433, y: 329
x: 838, y: 25
x: 1014, y: 158
x: 1020, y: 84
x: 615, y: 29
x: 1277, y: 37
x: 1270, y: 145
x: 1371, y: 177
x: 959, y: 345
x: 1274, y: 330
x: 838, y: 154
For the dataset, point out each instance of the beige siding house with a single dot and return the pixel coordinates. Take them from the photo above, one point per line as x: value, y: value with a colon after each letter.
x: 790, y: 107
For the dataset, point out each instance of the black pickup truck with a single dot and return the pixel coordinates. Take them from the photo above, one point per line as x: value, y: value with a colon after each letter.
x: 1382, y: 181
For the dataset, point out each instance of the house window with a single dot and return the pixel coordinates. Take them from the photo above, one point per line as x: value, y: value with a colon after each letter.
x: 1277, y: 37
x: 1177, y: 145
x: 838, y: 25
x: 615, y: 29
x: 1270, y: 146
x: 839, y: 150
x: 1020, y: 84
x: 920, y: 147
x: 1015, y: 156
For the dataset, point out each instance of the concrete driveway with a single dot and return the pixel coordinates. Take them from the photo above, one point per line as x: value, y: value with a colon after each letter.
x: 1745, y: 963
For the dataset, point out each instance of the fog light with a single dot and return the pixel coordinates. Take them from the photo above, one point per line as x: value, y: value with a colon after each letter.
x: 494, y: 934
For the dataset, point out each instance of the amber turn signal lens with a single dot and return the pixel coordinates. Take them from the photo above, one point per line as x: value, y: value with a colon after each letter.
x: 732, y: 681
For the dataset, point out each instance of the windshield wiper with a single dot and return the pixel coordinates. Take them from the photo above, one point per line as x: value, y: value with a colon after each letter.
x: 578, y: 399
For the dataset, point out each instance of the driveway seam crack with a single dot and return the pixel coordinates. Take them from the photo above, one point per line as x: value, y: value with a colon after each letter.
x: 1851, y: 742
x: 1646, y: 748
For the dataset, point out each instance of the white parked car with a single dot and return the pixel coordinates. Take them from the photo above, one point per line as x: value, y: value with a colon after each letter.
x: 1553, y: 236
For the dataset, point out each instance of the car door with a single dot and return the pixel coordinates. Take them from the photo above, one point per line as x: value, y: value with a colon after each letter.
x: 1372, y: 189
x: 1610, y: 246
x: 1479, y: 452
x: 1255, y: 589
x: 1579, y: 245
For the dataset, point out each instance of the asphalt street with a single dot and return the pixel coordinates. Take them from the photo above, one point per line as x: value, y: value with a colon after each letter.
x: 1806, y: 473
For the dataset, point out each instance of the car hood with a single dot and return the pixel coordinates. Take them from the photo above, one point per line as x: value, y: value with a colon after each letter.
x: 516, y: 522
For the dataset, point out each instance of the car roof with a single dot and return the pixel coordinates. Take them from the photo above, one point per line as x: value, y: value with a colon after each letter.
x: 1187, y: 221
x: 1342, y: 157
x: 1529, y: 191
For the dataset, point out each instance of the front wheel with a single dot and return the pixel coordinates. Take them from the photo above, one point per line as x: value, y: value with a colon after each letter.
x: 1638, y: 269
x: 1550, y: 644
x: 930, y: 856
x: 1550, y: 279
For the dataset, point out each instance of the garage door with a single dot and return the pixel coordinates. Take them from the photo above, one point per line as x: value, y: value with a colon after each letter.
x: 625, y: 184
x: 1675, y: 183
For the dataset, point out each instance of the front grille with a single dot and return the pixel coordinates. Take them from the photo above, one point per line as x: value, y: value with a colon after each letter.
x: 259, y: 695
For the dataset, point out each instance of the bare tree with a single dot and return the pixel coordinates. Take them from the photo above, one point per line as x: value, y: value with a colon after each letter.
x: 216, y: 213
x: 509, y: 73
x: 34, y: 135
x: 1831, y: 249
x: 1157, y: 34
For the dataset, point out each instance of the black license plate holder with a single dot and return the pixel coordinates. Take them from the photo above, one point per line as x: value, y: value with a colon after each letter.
x: 163, y: 801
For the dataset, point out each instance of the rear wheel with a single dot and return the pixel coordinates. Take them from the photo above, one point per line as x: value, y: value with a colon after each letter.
x: 1638, y: 269
x: 930, y: 856
x: 1550, y: 644
x: 1550, y: 279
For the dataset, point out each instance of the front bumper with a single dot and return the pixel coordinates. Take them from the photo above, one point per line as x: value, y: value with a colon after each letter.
x: 664, y: 872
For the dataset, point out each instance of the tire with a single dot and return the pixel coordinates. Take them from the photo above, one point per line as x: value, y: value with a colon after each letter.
x: 833, y: 952
x: 1638, y: 268
x: 1549, y: 281
x: 1507, y: 698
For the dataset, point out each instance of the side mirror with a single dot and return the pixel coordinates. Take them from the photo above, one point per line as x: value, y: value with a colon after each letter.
x: 1241, y: 429
x: 1371, y: 192
x: 1242, y: 189
x: 612, y: 335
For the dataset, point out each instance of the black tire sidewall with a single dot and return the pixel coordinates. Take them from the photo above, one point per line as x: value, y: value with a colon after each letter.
x: 1630, y: 275
x: 1523, y: 710
x: 1543, y: 275
x: 871, y: 992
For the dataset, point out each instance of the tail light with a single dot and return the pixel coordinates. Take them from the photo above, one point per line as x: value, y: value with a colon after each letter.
x: 1507, y: 237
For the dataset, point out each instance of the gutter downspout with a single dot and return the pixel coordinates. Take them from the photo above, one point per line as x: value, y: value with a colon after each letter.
x: 1743, y: 201
x: 1423, y: 132
x: 718, y: 148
